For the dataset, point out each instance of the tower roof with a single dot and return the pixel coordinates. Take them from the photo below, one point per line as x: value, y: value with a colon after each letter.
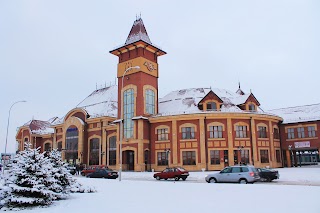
x: 138, y: 32
x: 138, y: 37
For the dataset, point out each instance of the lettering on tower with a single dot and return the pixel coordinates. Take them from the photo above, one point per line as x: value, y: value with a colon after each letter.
x: 149, y: 66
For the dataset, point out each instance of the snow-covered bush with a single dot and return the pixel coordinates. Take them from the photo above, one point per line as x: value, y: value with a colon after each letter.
x: 37, y: 179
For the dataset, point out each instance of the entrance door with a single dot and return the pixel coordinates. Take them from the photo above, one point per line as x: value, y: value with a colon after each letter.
x: 130, y: 160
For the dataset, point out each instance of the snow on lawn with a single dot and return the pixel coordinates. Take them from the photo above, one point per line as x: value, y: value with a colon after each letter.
x: 140, y: 192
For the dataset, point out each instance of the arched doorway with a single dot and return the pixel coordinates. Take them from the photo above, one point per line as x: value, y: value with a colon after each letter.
x: 128, y: 160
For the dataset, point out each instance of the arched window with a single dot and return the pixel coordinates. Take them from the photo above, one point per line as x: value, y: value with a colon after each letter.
x: 211, y: 106
x: 112, y: 150
x: 71, y: 153
x: 150, y: 102
x: 128, y: 109
x: 94, y: 151
x: 47, y: 147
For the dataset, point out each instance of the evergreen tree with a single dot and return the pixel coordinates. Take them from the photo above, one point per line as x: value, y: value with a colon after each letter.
x: 28, y: 180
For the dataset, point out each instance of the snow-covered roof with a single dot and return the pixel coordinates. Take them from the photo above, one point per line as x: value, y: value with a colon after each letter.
x: 40, y: 127
x: 138, y: 32
x: 102, y: 102
x: 299, y: 113
x: 186, y: 101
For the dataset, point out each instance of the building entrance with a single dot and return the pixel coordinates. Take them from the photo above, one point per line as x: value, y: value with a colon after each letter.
x: 129, y: 160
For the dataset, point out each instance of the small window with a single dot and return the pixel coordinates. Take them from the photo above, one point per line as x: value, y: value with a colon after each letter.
x: 215, y: 131
x: 290, y: 133
x: 215, y: 157
x: 162, y: 134
x: 241, y: 131
x: 262, y: 132
x: 211, y: 106
x: 276, y: 133
x: 189, y: 157
x: 301, y: 132
x: 311, y: 131
x: 264, y: 155
x: 252, y: 107
x: 187, y: 132
x: 278, y: 157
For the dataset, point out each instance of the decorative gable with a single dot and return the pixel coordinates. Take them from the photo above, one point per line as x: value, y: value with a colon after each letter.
x: 209, y: 99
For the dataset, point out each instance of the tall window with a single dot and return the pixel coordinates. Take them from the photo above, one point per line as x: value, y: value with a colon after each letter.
x: 215, y: 131
x: 215, y: 157
x: 71, y: 153
x: 187, y: 132
x: 211, y: 106
x: 278, y: 157
x: 128, y: 112
x: 94, y: 151
x: 150, y: 101
x: 252, y: 107
x: 262, y: 131
x: 47, y: 147
x: 113, y: 150
x: 162, y: 159
x: 162, y: 134
x: 59, y: 146
x: 276, y: 133
x: 189, y: 157
x: 311, y: 131
x: 290, y: 133
x: 241, y: 131
x: 301, y: 132
x: 264, y: 155
x: 244, y: 155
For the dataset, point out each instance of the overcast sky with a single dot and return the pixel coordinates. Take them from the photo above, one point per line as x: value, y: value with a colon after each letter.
x: 53, y: 53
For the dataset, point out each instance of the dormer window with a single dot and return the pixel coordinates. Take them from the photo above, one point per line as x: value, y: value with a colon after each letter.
x: 252, y: 107
x: 211, y: 106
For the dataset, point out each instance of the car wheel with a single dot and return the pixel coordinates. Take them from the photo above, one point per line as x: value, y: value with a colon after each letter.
x: 166, y: 178
x: 213, y: 180
x: 268, y: 179
x: 243, y: 181
x: 158, y: 178
x: 184, y: 178
x: 176, y: 178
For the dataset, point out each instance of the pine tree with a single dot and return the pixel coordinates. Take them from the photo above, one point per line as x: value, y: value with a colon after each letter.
x: 28, y: 179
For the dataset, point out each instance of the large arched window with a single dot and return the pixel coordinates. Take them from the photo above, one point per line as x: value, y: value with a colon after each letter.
x: 112, y: 150
x: 94, y: 151
x: 128, y: 112
x: 59, y: 146
x: 72, y: 136
x: 150, y: 101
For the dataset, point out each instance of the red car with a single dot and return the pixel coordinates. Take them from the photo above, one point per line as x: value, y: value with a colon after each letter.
x: 172, y: 173
x: 91, y: 169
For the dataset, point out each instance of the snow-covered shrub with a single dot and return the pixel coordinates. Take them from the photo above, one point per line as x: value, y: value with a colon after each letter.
x: 28, y: 178
x: 37, y: 179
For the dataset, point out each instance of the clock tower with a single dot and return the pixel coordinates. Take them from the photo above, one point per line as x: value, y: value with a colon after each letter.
x: 137, y: 74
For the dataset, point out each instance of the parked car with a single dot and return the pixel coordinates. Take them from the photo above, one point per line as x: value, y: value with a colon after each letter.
x: 103, y: 173
x: 234, y: 174
x: 91, y: 169
x: 172, y: 173
x: 268, y: 175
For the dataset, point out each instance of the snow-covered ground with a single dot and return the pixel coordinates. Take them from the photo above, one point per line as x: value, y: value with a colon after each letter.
x: 297, y: 190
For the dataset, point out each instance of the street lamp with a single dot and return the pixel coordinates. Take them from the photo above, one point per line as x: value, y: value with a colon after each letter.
x: 121, y: 120
x: 292, y: 159
x: 5, y: 148
x: 167, y: 155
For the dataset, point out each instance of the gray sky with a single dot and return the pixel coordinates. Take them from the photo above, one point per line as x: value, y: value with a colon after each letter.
x: 54, y: 52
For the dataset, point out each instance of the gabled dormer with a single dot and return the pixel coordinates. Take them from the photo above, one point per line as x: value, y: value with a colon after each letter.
x: 210, y: 102
x: 251, y: 104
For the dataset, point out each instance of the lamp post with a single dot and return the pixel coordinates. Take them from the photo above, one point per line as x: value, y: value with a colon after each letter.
x: 167, y: 155
x: 5, y: 148
x: 292, y: 159
x: 121, y: 120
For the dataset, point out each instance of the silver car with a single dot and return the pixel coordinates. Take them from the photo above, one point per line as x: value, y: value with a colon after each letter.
x: 235, y: 174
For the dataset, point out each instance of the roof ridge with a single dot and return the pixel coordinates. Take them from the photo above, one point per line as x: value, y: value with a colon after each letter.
x: 295, y: 106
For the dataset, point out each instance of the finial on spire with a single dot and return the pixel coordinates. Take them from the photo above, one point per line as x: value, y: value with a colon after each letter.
x: 239, y: 84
